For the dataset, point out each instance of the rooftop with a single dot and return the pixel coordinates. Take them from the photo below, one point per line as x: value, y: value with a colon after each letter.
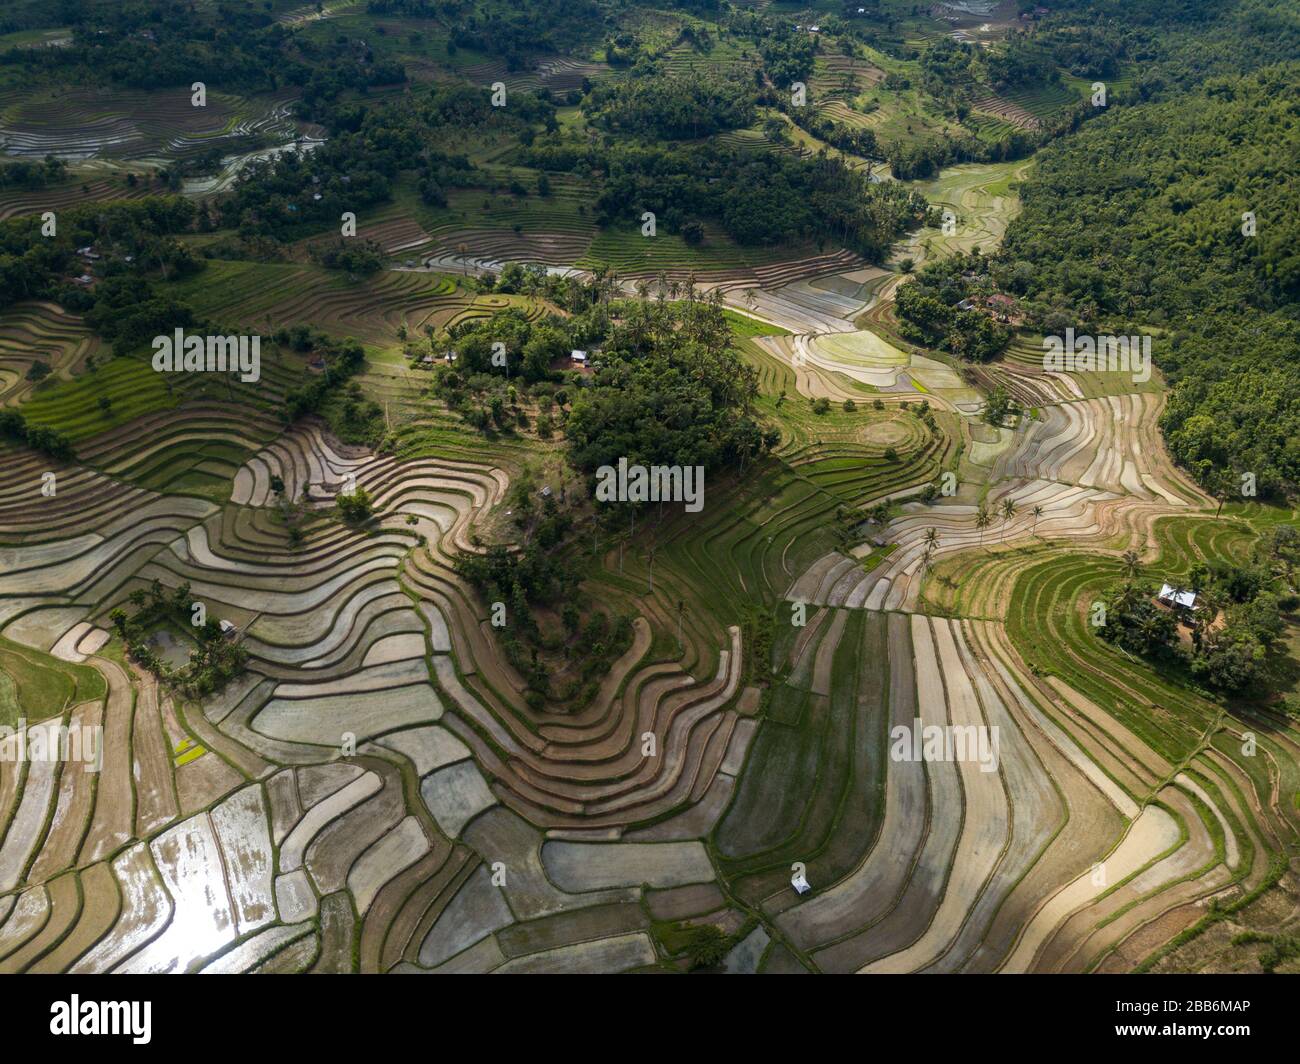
x: 1178, y: 597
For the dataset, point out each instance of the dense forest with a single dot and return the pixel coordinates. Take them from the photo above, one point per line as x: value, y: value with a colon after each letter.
x: 237, y: 47
x: 1179, y: 217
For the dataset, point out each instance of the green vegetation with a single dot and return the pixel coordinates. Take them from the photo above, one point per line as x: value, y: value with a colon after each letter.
x: 35, y: 686
x: 1236, y: 627
x: 212, y: 664
x: 948, y: 306
x: 1160, y: 237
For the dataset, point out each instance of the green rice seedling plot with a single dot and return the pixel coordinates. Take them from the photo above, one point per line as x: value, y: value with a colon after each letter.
x: 39, y: 38
x: 193, y: 467
x: 833, y: 825
x: 744, y: 548
x: 982, y: 196
x: 745, y: 140
x: 1045, y: 101
x: 1047, y: 623
x: 726, y: 57
x: 37, y: 686
x: 411, y: 41
x: 971, y: 584
x: 774, y: 375
x: 129, y: 385
x: 1262, y: 515
x: 1028, y: 351
x: 271, y: 296
x: 1185, y: 542
x: 630, y: 253
x: 991, y: 129
x: 744, y: 327
x: 564, y: 211
x: 898, y: 116
x: 863, y: 456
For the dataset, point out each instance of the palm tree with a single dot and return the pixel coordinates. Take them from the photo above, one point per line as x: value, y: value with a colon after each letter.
x: 1211, y: 602
x: 1037, y: 511
x: 1149, y: 627
x: 681, y: 609
x: 1127, y: 597
x: 1008, y: 512
x: 982, y: 521
x: 1221, y: 489
x: 931, y: 539
x: 1131, y: 563
x: 462, y: 251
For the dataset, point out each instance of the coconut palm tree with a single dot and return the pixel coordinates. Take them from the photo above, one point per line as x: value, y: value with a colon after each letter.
x: 1207, y: 610
x: 1149, y: 627
x: 927, y: 559
x: 1126, y: 598
x: 982, y: 521
x: 1008, y: 512
x: 1131, y: 563
x: 931, y: 539
x: 1037, y: 511
x: 1221, y: 489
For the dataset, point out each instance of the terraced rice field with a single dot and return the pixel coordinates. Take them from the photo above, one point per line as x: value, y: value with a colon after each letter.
x: 238, y: 835
x: 376, y: 793
x: 981, y: 197
x: 41, y: 333
x: 14, y: 202
x: 84, y: 124
x: 1091, y: 844
x: 273, y: 296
